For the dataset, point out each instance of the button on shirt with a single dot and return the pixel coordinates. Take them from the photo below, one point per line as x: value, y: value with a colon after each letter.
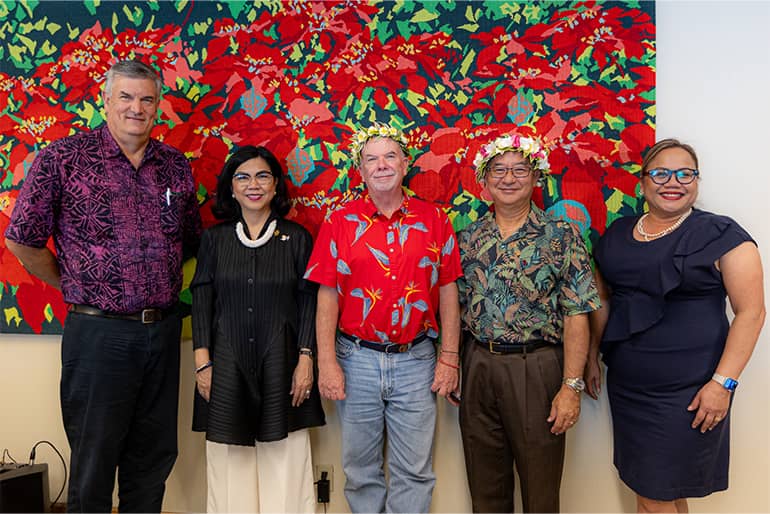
x: 518, y: 290
x: 387, y: 271
x: 119, y: 231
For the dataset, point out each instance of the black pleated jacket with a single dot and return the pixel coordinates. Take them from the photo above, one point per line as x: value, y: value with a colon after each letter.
x: 253, y: 310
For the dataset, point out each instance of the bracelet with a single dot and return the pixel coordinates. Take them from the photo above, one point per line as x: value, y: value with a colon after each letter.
x: 448, y: 351
x: 306, y: 351
x: 445, y: 363
x: 204, y: 366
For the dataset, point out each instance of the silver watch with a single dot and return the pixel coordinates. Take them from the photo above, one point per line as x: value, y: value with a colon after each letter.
x: 575, y: 383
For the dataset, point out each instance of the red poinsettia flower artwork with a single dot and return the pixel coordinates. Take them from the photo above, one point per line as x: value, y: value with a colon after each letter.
x: 81, y: 65
x: 445, y: 166
x: 300, y: 77
x: 38, y: 303
x: 593, y: 29
x: 38, y: 124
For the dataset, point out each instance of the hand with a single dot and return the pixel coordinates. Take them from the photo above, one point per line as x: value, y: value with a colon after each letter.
x: 593, y: 376
x: 565, y: 410
x: 301, y: 381
x: 331, y: 381
x: 446, y: 379
x: 203, y: 382
x: 711, y: 403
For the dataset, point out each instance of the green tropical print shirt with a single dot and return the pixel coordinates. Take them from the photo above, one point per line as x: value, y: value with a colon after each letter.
x: 518, y: 290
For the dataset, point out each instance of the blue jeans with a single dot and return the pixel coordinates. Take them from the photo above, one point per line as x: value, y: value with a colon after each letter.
x: 387, y: 392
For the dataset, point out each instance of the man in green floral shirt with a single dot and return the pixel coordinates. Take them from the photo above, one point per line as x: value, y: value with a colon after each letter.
x: 526, y: 295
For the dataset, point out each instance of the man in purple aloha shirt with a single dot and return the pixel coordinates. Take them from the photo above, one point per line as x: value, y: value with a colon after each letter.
x: 123, y: 213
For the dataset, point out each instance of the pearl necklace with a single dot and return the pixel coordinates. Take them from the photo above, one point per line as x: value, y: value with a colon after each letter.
x: 254, y: 243
x: 647, y: 236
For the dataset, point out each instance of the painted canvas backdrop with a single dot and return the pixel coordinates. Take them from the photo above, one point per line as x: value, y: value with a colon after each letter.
x: 299, y: 77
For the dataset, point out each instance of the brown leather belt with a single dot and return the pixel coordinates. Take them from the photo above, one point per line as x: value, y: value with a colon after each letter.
x: 502, y: 348
x: 145, y: 316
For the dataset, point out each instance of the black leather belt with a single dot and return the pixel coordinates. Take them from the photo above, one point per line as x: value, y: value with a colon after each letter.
x: 387, y: 347
x: 502, y: 348
x: 145, y: 316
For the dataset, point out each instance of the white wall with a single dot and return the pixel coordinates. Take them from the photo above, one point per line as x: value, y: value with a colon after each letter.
x: 713, y: 87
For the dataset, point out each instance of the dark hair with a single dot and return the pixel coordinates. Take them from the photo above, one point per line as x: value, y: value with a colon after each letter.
x: 132, y: 69
x: 666, y: 144
x: 226, y: 207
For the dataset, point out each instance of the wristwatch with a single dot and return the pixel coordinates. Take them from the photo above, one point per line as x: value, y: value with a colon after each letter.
x: 728, y: 383
x: 575, y: 383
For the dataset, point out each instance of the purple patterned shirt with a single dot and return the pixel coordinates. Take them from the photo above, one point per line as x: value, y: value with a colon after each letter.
x: 119, y: 232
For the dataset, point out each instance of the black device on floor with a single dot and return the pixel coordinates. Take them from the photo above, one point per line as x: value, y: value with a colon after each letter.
x: 24, y: 488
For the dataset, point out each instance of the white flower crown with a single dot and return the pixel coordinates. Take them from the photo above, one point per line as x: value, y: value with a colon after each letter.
x: 361, y: 137
x: 529, y: 147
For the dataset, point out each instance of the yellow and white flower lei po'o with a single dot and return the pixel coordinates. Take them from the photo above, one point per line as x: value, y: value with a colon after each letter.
x: 361, y: 137
x: 530, y: 148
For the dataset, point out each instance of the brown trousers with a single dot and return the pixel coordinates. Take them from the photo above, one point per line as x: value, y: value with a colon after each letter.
x: 506, y: 400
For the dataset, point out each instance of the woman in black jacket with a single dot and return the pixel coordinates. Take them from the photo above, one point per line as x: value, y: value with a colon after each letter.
x: 254, y: 335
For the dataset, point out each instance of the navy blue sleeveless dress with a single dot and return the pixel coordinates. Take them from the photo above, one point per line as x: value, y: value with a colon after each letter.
x: 664, y: 337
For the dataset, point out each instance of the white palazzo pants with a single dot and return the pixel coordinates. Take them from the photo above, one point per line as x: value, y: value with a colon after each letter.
x: 271, y: 477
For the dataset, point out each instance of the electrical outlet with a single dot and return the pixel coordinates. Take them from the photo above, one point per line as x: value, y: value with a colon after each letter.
x: 320, y: 468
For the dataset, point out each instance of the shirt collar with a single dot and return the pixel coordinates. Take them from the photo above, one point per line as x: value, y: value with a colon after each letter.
x: 371, y: 210
x: 112, y: 149
x: 532, y: 226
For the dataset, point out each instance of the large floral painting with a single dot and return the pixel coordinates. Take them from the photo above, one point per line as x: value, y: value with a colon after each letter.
x: 301, y: 76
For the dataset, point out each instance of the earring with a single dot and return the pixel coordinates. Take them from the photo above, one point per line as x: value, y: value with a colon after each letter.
x: 232, y: 194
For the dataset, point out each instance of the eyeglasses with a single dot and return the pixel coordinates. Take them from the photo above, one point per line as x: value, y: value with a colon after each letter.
x: 243, y: 179
x: 662, y: 175
x: 499, y: 172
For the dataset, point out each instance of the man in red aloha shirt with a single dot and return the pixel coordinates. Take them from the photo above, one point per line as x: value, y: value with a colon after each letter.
x: 387, y: 265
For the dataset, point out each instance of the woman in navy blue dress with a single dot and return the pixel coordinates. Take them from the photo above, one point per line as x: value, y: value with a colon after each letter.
x: 673, y: 359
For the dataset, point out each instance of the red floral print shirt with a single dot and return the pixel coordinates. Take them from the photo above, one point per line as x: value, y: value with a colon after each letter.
x: 387, y: 271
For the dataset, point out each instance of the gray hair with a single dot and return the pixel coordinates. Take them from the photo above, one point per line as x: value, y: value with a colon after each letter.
x: 131, y: 69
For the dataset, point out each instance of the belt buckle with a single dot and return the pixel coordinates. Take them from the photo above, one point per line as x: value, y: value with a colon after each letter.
x: 493, y: 351
x: 148, y: 316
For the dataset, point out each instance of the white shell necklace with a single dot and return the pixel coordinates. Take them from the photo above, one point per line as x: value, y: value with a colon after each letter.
x: 254, y: 243
x: 647, y: 236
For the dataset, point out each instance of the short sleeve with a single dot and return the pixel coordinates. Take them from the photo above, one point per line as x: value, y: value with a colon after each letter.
x: 727, y: 235
x: 32, y: 220
x: 450, y: 268
x: 578, y: 289
x: 322, y: 266
x: 709, y: 237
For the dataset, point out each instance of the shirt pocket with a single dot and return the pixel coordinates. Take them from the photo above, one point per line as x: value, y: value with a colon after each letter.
x: 171, y: 207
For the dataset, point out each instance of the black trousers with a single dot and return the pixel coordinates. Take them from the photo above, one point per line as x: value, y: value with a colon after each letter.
x: 506, y: 400
x: 119, y: 395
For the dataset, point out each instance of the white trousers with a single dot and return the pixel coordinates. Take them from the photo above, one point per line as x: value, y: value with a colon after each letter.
x: 271, y: 477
